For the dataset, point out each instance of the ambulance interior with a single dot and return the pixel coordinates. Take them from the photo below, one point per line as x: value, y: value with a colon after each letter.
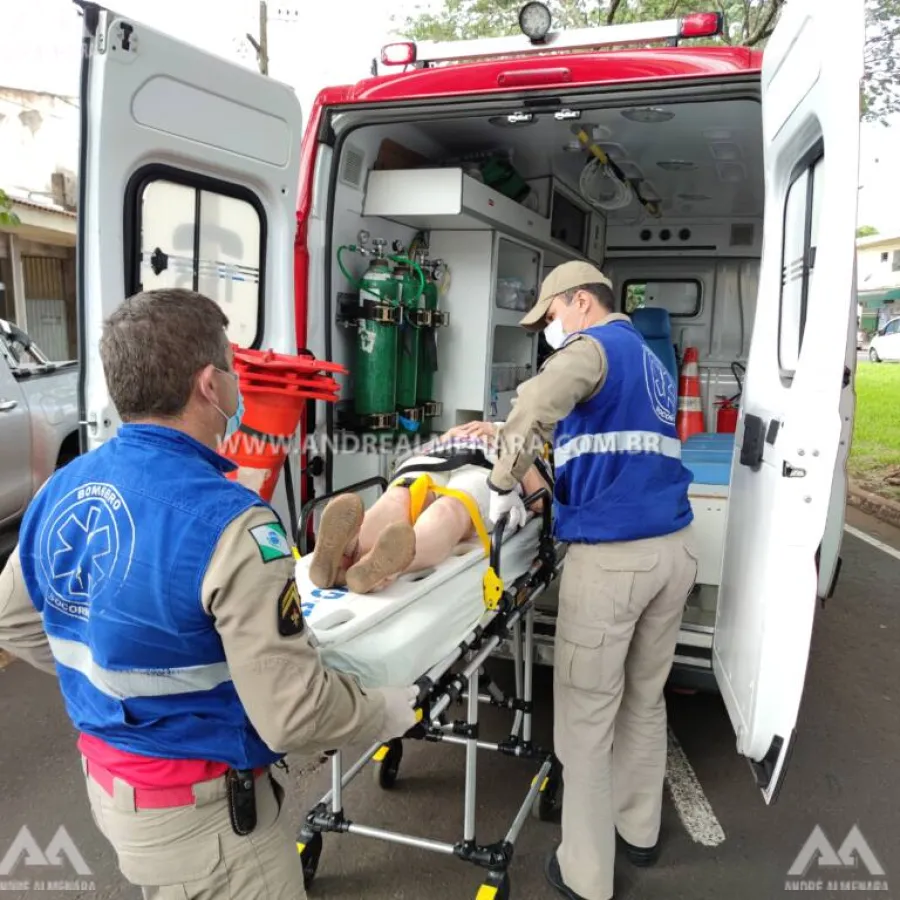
x: 501, y: 197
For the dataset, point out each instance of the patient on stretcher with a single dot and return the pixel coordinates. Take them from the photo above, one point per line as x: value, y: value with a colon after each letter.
x: 368, y: 549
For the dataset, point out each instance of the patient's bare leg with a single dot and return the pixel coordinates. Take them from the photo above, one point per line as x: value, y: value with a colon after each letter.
x: 439, y: 529
x: 392, y: 506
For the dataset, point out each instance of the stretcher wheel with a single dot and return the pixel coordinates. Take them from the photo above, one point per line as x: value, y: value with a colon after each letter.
x: 497, y: 887
x: 548, y: 803
x: 388, y: 759
x: 309, y: 857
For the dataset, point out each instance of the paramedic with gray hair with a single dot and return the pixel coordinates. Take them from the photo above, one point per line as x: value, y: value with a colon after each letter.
x: 162, y: 595
x: 621, y: 505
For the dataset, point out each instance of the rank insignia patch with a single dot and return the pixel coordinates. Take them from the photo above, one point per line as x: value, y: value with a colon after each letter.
x: 290, y: 615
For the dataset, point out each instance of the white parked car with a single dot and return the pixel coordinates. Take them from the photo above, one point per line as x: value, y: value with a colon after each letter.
x: 885, y: 346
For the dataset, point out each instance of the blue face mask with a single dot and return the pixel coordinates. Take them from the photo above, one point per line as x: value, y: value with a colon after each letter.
x: 233, y: 422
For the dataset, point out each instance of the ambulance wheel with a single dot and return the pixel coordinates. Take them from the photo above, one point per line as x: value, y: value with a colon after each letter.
x: 497, y: 887
x: 548, y: 803
x: 388, y: 768
x: 309, y: 857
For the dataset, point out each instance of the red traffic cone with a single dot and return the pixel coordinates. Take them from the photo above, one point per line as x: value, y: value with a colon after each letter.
x: 689, y: 420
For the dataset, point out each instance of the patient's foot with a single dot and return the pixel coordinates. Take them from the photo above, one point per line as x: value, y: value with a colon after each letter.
x: 394, y: 550
x: 341, y: 521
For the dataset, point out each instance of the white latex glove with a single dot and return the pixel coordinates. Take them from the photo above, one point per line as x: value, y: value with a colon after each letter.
x: 511, y: 503
x: 399, y: 715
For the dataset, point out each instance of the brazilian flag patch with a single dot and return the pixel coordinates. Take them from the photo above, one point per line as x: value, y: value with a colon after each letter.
x: 271, y: 540
x: 290, y: 616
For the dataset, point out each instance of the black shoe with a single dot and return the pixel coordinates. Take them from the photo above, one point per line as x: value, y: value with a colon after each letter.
x: 554, y: 876
x: 639, y: 856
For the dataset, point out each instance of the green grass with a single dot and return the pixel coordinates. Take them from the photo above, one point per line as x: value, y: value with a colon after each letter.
x: 875, y: 452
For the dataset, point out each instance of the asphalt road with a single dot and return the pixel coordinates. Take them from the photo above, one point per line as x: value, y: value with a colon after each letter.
x: 843, y: 773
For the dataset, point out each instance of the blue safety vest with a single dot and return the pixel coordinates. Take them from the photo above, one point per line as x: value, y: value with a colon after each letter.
x: 619, y: 475
x: 114, y: 550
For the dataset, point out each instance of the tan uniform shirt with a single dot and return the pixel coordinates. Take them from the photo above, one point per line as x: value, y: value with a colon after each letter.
x: 570, y: 376
x: 293, y: 700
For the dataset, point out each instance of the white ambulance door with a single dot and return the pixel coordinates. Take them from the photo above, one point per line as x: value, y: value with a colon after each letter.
x: 790, y: 434
x: 189, y: 177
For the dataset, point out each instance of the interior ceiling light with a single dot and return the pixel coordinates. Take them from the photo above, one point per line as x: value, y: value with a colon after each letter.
x: 725, y: 151
x: 601, y: 132
x: 717, y: 134
x: 535, y: 21
x: 573, y: 147
x: 648, y: 115
x: 513, y: 120
x: 732, y: 172
x: 677, y: 165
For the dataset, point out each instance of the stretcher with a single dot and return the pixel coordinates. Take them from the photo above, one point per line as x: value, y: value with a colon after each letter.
x: 437, y: 629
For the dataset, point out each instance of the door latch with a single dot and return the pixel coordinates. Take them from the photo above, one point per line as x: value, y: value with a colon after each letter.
x: 789, y: 471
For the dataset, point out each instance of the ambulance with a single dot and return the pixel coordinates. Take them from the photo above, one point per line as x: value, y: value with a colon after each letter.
x: 418, y: 210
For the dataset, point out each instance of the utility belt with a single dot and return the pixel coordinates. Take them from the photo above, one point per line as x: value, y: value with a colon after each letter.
x: 238, y: 786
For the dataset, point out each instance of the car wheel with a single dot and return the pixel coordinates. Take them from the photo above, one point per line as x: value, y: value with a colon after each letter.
x: 873, y: 355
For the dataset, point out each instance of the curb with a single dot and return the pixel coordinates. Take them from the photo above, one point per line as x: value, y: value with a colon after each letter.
x: 886, y: 510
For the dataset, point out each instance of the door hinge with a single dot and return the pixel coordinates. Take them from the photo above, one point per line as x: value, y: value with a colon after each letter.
x: 789, y: 471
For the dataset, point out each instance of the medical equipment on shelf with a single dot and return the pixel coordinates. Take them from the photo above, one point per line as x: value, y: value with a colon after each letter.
x: 437, y: 629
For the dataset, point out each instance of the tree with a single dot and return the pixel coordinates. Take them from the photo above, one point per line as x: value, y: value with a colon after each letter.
x: 748, y: 23
x: 866, y: 231
x: 7, y: 216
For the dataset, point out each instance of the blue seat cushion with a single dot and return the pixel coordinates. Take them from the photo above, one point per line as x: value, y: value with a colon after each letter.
x: 708, y: 458
x: 654, y: 325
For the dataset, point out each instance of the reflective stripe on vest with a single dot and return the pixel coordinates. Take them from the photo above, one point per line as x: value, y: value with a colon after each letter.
x: 130, y: 683
x: 617, y: 442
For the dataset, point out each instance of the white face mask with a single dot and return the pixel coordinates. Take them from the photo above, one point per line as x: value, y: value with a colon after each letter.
x: 555, y: 334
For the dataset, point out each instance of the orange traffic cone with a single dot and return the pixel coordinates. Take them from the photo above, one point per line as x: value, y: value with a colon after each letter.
x: 689, y: 420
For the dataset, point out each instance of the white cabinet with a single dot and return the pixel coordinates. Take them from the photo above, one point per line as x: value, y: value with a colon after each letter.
x: 483, y: 354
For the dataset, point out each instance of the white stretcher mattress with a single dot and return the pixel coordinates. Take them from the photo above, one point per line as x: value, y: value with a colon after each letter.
x: 394, y: 636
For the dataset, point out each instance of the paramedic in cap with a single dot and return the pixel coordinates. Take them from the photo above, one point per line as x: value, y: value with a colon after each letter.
x: 162, y: 596
x: 621, y: 505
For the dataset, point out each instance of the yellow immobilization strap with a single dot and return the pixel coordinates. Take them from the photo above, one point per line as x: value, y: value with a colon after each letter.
x: 492, y: 584
x: 418, y: 492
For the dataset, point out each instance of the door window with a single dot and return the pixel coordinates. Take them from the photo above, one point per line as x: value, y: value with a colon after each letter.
x: 801, y: 221
x: 204, y: 241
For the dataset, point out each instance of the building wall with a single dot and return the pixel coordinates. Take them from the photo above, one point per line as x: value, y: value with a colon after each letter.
x: 878, y: 264
x: 39, y: 140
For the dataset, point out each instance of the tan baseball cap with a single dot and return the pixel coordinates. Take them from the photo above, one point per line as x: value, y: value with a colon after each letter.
x: 563, y: 278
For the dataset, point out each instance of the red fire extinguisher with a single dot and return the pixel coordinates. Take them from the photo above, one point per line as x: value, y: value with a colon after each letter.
x: 729, y: 407
x: 727, y: 416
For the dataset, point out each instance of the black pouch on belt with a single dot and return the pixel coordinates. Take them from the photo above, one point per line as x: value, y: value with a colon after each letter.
x: 241, y: 800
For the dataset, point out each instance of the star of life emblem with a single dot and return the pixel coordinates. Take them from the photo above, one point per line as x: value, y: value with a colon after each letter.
x: 86, y: 543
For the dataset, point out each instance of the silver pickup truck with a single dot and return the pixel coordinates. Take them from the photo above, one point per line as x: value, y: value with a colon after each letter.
x: 38, y: 420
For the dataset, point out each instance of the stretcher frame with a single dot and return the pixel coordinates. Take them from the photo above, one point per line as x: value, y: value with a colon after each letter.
x: 509, y: 616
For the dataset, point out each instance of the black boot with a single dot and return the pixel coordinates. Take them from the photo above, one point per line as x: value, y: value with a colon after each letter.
x: 554, y: 876
x: 639, y: 856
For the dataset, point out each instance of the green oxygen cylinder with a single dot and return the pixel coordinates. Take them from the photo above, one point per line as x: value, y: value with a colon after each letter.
x: 375, y: 359
x: 428, y: 341
x: 411, y: 281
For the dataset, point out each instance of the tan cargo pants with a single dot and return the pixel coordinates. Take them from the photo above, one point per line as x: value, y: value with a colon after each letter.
x: 620, y: 608
x: 192, y: 853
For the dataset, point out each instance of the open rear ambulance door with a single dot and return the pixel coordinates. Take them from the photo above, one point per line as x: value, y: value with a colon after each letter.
x: 795, y: 404
x: 189, y: 176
